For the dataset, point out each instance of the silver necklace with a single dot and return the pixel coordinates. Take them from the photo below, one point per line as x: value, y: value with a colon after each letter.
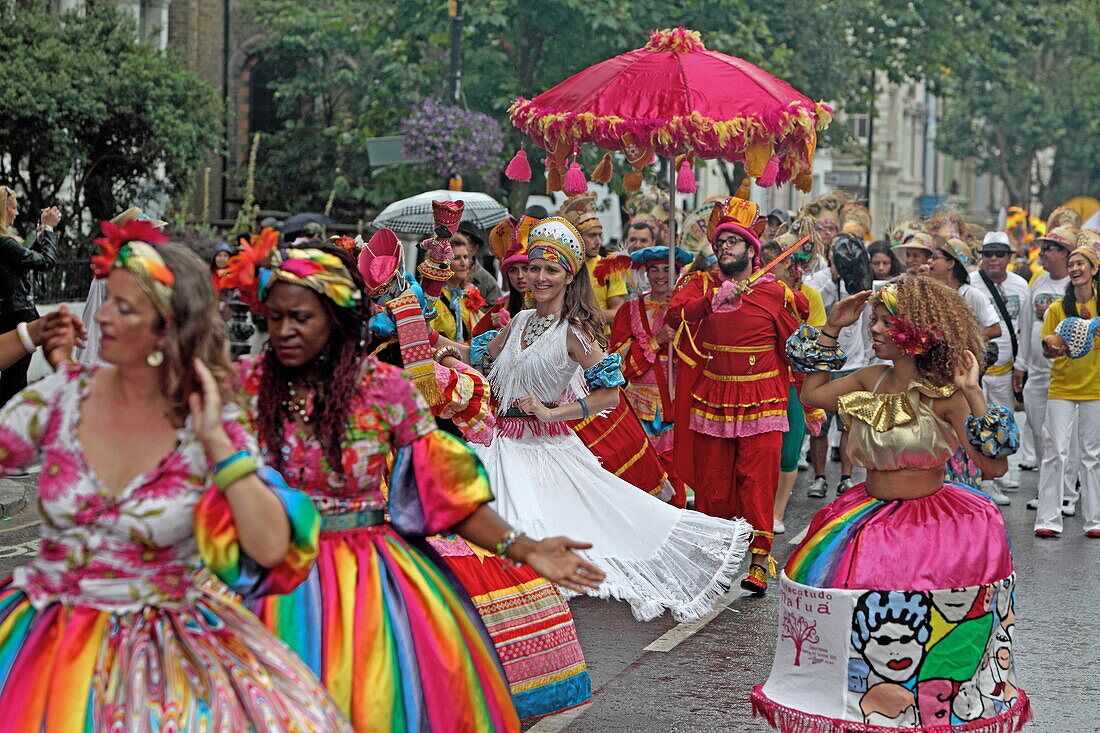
x: 537, y: 326
x: 302, y: 406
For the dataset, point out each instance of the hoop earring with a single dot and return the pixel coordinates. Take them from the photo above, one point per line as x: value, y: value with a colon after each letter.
x: 155, y: 358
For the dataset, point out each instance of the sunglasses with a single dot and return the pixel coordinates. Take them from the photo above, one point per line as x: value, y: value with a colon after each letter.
x: 996, y: 252
x: 1048, y: 246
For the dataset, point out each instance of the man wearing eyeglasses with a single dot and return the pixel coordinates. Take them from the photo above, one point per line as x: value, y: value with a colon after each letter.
x: 1007, y: 292
x: 1032, y: 372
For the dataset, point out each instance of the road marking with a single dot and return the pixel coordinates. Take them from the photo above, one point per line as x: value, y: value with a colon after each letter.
x: 35, y: 523
x: 672, y: 638
x: 555, y: 723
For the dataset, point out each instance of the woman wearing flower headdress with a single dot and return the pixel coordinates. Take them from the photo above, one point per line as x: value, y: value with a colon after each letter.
x: 109, y: 627
x: 897, y: 610
x: 394, y: 639
x: 546, y: 367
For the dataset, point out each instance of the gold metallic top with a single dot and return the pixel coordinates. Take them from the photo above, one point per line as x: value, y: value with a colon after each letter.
x: 897, y: 431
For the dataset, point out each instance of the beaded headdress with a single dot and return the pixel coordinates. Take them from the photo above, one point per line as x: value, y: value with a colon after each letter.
x: 132, y: 248
x: 261, y: 263
x: 508, y: 240
x: 556, y: 239
x: 581, y: 211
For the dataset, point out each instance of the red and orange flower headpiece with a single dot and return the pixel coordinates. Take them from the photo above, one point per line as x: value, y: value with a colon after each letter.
x: 132, y: 247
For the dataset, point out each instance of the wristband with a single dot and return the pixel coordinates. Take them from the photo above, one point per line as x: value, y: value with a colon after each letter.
x: 233, y: 469
x: 584, y: 407
x: 506, y: 542
x: 826, y: 333
x: 24, y: 334
x: 444, y: 351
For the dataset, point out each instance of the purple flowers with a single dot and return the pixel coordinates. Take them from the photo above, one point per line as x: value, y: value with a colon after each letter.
x: 453, y: 140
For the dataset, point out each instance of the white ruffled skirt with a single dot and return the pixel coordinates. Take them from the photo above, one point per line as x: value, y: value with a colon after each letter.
x: 655, y: 555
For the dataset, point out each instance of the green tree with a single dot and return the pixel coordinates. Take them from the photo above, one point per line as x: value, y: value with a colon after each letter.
x: 91, y: 116
x: 1031, y: 114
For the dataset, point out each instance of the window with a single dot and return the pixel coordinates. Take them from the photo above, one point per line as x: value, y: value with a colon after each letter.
x: 859, y: 125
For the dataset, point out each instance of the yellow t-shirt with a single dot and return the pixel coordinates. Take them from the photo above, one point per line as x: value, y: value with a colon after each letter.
x: 1072, y: 379
x: 616, y: 284
x: 817, y: 306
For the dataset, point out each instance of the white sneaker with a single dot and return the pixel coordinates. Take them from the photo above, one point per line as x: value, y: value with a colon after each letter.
x: 1007, y: 483
x: 803, y: 465
x: 818, y: 488
x: 999, y: 497
x: 1033, y: 504
x: 1068, y: 509
x: 778, y: 528
x: 844, y: 485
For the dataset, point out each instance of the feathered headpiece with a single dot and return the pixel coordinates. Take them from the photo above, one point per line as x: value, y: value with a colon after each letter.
x: 132, y: 247
x: 260, y: 264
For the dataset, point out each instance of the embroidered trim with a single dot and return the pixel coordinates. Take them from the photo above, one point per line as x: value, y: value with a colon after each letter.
x: 740, y: 377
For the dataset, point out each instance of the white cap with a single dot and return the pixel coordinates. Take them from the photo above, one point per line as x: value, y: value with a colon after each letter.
x: 996, y: 238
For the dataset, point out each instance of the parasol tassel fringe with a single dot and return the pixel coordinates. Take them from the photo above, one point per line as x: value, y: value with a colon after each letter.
x: 743, y: 191
x: 603, y: 171
x: 685, y: 178
x: 553, y: 179
x: 575, y: 182
x: 771, y: 170
x: 632, y: 181
x: 519, y: 168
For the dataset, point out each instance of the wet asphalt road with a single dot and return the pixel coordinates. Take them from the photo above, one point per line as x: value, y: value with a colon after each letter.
x: 698, y: 678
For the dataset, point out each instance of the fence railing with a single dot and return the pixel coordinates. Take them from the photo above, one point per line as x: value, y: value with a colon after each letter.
x: 67, y: 281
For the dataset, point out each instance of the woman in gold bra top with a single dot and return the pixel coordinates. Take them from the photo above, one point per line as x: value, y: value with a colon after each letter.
x: 898, y: 609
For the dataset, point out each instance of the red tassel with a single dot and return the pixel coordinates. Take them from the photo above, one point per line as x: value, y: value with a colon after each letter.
x: 519, y: 169
x: 575, y: 182
x: 771, y: 170
x: 685, y: 178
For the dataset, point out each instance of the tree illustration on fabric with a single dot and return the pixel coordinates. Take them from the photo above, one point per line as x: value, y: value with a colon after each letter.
x: 799, y: 630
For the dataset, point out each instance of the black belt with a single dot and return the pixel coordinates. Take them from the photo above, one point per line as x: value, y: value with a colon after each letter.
x: 514, y: 411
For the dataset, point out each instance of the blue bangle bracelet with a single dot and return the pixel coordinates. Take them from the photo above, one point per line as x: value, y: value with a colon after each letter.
x: 222, y: 464
x: 584, y: 407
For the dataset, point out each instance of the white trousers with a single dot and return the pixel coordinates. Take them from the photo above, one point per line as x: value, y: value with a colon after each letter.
x: 1035, y: 405
x: 998, y: 391
x: 1062, y: 418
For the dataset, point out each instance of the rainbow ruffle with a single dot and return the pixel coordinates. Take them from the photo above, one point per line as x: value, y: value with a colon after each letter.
x: 437, y: 482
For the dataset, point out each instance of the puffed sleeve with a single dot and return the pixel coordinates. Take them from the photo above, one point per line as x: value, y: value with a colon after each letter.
x: 216, y: 532
x: 437, y: 479
x: 24, y: 420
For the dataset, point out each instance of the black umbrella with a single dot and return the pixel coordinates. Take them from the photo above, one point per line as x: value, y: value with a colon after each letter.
x: 298, y: 222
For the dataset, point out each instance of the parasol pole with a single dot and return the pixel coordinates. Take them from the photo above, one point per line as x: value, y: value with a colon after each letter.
x: 671, y: 255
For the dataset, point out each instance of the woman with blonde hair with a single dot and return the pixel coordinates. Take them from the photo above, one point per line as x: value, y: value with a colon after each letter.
x: 902, y: 593
x: 147, y: 475
x: 17, y: 262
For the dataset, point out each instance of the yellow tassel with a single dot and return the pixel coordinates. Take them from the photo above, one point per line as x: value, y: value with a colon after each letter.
x: 632, y: 181
x: 771, y: 565
x: 743, y: 191
x: 804, y: 182
x: 603, y: 171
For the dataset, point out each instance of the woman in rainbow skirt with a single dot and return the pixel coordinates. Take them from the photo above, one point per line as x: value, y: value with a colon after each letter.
x: 897, y: 612
x: 145, y: 470
x: 390, y: 633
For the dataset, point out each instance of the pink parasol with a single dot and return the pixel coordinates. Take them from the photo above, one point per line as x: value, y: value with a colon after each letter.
x: 675, y: 97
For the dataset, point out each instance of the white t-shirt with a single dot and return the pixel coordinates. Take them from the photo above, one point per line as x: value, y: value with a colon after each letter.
x: 855, y: 339
x: 1044, y: 291
x: 980, y: 305
x: 1014, y: 290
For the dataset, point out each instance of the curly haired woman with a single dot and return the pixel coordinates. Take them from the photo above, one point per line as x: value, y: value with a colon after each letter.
x: 904, y: 540
x: 392, y: 637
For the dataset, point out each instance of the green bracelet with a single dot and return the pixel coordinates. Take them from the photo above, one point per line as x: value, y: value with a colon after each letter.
x: 233, y: 470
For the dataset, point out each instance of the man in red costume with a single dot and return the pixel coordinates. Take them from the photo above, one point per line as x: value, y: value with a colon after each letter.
x: 733, y: 382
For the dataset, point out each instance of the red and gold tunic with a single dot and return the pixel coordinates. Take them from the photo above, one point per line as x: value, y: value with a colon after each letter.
x: 734, y: 379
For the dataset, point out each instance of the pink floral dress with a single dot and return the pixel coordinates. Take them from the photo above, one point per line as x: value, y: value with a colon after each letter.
x: 397, y: 645
x: 107, y: 628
